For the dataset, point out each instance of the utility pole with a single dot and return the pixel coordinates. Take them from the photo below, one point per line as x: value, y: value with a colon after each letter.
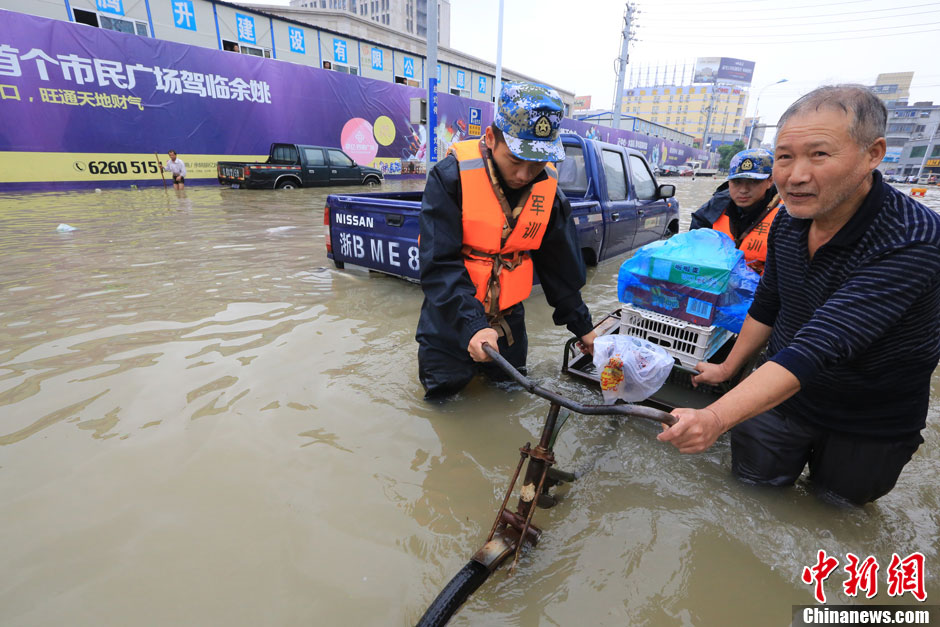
x: 432, y: 85
x: 498, y: 85
x: 622, y: 62
x: 708, y: 119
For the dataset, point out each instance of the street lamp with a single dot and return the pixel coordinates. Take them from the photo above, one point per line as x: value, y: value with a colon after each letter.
x: 750, y: 132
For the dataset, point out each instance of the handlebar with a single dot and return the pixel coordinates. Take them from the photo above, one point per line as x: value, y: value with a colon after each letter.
x: 637, y: 411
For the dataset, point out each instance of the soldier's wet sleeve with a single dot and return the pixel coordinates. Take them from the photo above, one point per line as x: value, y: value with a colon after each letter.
x: 561, y: 270
x: 444, y: 279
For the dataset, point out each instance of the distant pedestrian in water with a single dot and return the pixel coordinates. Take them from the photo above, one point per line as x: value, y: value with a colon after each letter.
x: 850, y: 302
x: 744, y: 207
x: 177, y: 169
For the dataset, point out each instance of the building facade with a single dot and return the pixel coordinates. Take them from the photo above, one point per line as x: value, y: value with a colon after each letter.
x: 336, y: 39
x: 713, y: 114
x: 405, y: 16
x: 909, y: 128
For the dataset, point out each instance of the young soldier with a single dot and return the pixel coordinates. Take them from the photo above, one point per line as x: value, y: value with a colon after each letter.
x: 491, y: 214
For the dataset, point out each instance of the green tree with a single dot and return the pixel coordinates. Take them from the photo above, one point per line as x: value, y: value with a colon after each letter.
x: 727, y: 151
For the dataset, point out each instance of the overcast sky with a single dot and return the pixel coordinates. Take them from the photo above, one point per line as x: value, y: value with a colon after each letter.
x: 573, y: 43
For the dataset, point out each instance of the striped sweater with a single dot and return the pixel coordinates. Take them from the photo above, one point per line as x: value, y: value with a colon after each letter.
x: 859, y: 325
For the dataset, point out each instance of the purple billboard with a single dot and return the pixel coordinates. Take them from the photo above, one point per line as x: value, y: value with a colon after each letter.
x: 82, y: 105
x: 657, y: 151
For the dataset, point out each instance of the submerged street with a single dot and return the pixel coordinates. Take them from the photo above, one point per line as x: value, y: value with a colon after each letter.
x: 202, y: 422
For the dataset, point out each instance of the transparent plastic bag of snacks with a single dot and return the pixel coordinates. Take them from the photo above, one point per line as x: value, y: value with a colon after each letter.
x: 631, y: 369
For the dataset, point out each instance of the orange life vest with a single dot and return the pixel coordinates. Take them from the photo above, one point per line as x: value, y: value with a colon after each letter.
x: 753, y: 242
x: 496, y: 254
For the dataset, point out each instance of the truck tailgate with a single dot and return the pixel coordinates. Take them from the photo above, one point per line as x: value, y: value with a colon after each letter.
x: 377, y: 233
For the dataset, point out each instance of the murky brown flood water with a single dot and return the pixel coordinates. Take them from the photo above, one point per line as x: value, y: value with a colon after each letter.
x: 203, y: 423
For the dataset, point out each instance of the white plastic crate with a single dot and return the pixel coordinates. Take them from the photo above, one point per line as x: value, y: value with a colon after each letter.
x: 687, y: 342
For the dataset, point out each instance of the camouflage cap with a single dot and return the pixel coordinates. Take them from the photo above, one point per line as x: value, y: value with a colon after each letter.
x: 529, y: 115
x: 755, y: 163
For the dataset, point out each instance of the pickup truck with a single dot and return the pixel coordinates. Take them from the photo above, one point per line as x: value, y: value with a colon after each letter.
x: 698, y: 168
x: 297, y: 165
x: 616, y: 205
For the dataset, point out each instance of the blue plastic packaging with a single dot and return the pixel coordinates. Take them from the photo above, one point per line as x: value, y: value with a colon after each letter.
x: 698, y: 276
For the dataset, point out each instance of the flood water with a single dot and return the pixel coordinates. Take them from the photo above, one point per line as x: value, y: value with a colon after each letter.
x: 202, y: 422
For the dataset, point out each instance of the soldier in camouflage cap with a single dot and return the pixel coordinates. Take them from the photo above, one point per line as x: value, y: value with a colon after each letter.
x: 744, y: 206
x: 529, y: 115
x: 491, y: 216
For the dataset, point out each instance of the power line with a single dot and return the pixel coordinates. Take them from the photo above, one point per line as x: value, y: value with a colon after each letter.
x: 794, y: 41
x: 775, y: 21
x: 838, y: 32
x: 672, y: 8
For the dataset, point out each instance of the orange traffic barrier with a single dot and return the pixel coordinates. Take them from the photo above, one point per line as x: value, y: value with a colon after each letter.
x: 918, y: 191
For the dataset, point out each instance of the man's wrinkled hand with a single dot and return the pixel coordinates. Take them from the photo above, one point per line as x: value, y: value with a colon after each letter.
x: 483, y: 336
x: 695, y: 431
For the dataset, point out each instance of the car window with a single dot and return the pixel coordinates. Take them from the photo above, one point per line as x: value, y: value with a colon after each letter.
x: 339, y: 158
x: 643, y: 181
x: 314, y: 156
x: 572, y: 177
x: 616, y: 175
x: 284, y: 153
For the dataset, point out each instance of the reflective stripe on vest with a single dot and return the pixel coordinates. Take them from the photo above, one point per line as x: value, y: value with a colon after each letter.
x: 754, y: 244
x: 500, y: 270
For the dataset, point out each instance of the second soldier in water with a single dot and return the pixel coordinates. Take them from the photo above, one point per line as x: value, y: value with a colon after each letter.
x: 744, y: 207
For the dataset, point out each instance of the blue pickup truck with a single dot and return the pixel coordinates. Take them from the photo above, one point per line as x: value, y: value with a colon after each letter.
x: 616, y: 205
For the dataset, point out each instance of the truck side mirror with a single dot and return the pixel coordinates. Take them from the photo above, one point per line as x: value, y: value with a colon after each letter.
x: 666, y: 191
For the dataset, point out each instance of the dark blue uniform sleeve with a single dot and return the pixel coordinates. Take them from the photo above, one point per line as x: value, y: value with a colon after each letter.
x: 561, y: 270
x: 444, y: 279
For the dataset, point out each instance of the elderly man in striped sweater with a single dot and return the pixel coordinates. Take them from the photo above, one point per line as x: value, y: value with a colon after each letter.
x: 850, y: 304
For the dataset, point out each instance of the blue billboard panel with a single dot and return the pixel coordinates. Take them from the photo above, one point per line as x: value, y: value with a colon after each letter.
x: 245, y: 26
x: 111, y: 6
x: 184, y: 15
x: 297, y: 40
x: 339, y: 51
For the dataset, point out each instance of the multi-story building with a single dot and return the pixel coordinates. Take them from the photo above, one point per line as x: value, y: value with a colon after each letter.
x: 711, y: 113
x: 404, y: 16
x: 909, y: 128
x: 333, y: 38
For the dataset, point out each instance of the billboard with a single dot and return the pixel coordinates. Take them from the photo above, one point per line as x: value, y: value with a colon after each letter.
x: 884, y: 89
x: 657, y: 151
x: 723, y: 70
x: 89, y: 107
x: 581, y: 103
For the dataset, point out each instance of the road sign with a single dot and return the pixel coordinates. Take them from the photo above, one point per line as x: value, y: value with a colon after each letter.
x: 476, y: 119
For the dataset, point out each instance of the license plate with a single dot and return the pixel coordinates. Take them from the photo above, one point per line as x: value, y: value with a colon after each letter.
x: 235, y: 185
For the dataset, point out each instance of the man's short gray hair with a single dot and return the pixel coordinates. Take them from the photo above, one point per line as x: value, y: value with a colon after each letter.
x: 869, y: 115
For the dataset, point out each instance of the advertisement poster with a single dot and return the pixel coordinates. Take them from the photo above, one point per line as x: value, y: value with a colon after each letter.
x: 723, y: 70
x: 656, y: 150
x: 92, y: 106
